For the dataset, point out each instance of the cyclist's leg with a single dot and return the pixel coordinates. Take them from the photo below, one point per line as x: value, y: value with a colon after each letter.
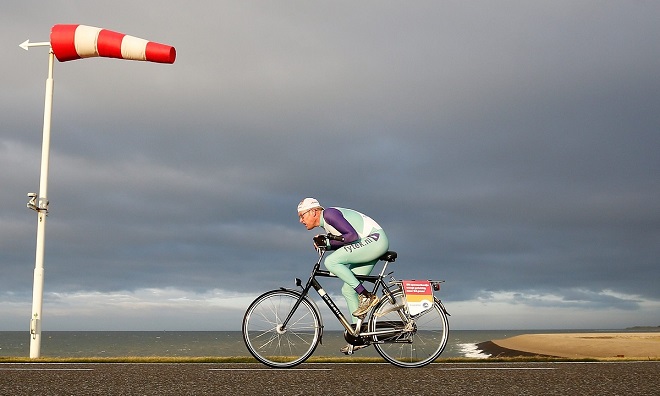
x: 338, y: 263
x: 349, y: 292
x: 363, y: 251
x: 360, y: 257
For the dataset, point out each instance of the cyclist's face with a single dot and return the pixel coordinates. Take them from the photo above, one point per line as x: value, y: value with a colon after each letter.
x: 309, y: 218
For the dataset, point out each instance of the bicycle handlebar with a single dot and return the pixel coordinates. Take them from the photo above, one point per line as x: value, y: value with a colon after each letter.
x: 335, y: 237
x: 322, y: 249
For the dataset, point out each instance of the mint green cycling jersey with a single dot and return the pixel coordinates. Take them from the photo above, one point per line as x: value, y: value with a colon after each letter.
x: 364, y: 242
x: 349, y: 223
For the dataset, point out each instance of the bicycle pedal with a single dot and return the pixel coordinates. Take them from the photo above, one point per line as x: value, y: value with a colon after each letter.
x: 350, y: 349
x: 347, y: 350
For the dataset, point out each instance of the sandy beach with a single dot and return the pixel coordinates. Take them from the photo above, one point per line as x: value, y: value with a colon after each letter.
x: 578, y: 345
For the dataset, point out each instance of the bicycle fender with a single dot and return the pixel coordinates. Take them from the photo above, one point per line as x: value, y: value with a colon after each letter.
x: 441, y: 305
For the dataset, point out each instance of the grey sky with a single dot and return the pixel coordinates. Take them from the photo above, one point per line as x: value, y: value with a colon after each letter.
x: 510, y: 148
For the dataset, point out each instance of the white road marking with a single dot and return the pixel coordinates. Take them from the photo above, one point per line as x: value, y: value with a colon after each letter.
x: 270, y: 369
x: 45, y: 369
x: 497, y: 368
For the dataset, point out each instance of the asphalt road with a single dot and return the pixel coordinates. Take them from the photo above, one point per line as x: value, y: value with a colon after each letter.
x: 615, y: 378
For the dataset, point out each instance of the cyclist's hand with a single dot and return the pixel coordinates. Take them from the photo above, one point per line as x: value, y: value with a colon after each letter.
x: 321, y: 242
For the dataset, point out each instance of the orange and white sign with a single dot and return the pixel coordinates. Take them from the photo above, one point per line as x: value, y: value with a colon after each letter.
x: 419, y: 295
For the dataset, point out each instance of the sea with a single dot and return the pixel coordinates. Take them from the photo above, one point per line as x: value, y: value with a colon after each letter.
x: 68, y: 344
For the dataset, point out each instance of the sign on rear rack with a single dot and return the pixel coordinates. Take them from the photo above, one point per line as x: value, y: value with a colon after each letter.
x: 419, y: 295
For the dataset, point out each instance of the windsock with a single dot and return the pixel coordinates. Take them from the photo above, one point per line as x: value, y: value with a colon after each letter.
x: 70, y: 42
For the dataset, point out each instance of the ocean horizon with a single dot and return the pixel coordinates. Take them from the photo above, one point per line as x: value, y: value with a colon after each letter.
x: 68, y: 344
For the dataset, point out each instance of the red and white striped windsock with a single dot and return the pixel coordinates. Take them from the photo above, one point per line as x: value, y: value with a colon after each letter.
x: 71, y: 42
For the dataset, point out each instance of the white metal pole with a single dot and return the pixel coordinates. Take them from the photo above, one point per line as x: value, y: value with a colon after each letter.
x: 42, y: 212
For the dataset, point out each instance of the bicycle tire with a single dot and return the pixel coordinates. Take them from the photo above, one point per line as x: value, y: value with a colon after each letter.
x: 415, y: 348
x: 275, y: 347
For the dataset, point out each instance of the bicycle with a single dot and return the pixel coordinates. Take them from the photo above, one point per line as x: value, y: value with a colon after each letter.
x: 282, y: 327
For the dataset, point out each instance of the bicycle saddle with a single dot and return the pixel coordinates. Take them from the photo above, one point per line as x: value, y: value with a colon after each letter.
x: 389, y: 256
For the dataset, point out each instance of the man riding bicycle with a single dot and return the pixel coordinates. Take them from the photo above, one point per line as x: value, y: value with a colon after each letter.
x: 362, y: 242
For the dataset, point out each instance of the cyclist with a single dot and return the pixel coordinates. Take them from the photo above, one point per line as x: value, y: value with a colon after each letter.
x: 363, y: 241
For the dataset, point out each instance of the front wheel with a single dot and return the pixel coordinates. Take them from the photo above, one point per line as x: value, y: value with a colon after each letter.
x: 273, y: 345
x: 405, y: 341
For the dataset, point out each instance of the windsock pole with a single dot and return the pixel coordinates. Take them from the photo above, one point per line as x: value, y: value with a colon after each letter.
x: 69, y: 42
x: 39, y: 203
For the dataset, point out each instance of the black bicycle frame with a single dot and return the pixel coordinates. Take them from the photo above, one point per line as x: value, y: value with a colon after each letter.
x: 377, y: 280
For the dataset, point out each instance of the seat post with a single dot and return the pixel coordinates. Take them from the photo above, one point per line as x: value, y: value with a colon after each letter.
x: 382, y: 271
x: 387, y: 257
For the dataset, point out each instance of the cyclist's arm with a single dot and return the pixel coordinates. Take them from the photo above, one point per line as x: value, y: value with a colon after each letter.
x: 336, y: 220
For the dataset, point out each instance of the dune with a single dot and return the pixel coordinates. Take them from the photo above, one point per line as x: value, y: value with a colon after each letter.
x: 581, y: 345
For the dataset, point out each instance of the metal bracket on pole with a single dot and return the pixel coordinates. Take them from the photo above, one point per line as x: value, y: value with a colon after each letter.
x: 35, y: 327
x: 41, y: 206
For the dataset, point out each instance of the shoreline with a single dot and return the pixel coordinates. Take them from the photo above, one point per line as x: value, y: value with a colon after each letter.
x: 496, y: 351
x: 576, y: 345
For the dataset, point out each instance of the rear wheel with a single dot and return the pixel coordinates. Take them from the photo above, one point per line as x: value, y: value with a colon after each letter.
x: 412, y: 342
x: 273, y: 345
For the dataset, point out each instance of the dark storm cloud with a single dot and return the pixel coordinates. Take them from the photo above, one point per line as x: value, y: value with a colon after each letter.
x: 509, y: 148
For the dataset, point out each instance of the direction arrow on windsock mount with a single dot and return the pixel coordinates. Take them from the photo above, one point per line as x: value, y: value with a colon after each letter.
x: 27, y: 44
x: 70, y: 42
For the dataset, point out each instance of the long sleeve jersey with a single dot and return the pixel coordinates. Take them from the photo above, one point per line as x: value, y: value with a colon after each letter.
x: 349, y: 223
